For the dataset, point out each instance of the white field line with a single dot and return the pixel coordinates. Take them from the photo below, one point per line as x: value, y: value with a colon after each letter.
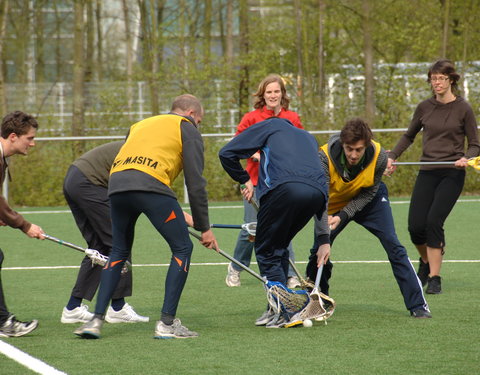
x: 27, y: 360
x: 68, y: 211
x: 222, y: 207
x: 226, y: 263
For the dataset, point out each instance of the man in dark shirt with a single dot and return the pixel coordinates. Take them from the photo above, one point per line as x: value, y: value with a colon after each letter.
x: 86, y: 192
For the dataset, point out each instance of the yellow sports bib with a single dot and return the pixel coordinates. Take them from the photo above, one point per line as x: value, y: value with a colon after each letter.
x: 341, y: 192
x: 153, y: 146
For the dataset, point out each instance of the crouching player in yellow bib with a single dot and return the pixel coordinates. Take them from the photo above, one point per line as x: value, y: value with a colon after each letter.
x: 354, y: 166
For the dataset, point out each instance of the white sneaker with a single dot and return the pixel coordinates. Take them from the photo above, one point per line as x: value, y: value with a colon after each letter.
x: 125, y: 315
x: 175, y: 331
x: 233, y: 276
x: 293, y: 282
x: 77, y: 315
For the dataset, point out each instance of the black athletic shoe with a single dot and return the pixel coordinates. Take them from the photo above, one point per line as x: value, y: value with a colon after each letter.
x: 423, y: 271
x: 420, y: 313
x: 434, y: 285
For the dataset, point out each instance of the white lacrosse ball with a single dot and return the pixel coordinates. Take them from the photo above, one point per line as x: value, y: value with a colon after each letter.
x: 307, y: 323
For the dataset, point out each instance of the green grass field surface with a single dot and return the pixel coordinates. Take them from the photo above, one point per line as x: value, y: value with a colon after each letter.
x: 371, y: 332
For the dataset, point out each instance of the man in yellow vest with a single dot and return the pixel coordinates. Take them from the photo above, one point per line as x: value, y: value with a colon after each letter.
x: 156, y: 150
x: 354, y: 165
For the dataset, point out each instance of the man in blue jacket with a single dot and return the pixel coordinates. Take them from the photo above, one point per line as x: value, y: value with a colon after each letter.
x: 291, y: 190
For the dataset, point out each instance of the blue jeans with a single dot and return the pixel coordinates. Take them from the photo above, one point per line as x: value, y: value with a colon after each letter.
x: 244, y: 248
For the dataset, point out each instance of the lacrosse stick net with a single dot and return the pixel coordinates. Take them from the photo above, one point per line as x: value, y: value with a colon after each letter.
x: 310, y: 286
x: 280, y: 298
x: 284, y: 300
x: 316, y: 308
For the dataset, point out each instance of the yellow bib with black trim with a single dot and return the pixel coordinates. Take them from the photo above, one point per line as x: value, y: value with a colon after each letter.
x: 153, y: 146
x: 341, y: 192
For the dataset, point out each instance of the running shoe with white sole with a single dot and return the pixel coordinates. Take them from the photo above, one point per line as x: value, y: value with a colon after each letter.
x: 278, y: 321
x: 125, y: 315
x: 79, y: 314
x: 174, y: 331
x: 90, y: 330
x: 268, y: 315
x: 15, y: 328
x: 233, y: 276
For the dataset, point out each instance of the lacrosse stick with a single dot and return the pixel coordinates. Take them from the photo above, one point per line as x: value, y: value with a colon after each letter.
x: 94, y: 255
x: 250, y: 228
x: 472, y: 162
x: 308, y: 285
x: 280, y: 298
x: 315, y: 308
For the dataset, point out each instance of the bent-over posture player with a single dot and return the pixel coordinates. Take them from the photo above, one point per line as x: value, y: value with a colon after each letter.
x: 291, y: 189
x: 85, y: 188
x: 155, y: 152
x: 354, y: 165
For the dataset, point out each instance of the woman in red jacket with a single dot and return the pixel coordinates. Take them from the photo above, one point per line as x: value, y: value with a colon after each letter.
x: 270, y: 100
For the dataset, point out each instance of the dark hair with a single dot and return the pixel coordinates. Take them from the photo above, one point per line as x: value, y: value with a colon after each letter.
x: 356, y: 130
x: 445, y: 67
x: 186, y: 102
x: 262, y: 87
x: 17, y: 122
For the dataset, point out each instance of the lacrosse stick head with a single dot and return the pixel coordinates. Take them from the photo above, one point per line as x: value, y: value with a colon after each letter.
x: 320, y: 307
x: 251, y: 228
x: 284, y: 300
x: 96, y: 257
x: 101, y: 260
x: 475, y: 163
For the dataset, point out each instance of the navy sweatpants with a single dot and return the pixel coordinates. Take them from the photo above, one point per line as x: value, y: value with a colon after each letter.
x: 284, y: 211
x: 166, y: 215
x: 377, y: 218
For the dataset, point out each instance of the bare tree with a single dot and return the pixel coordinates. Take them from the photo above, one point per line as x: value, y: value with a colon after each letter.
x: 300, y: 60
x: 58, y: 44
x: 39, y: 29
x: 90, y: 29
x: 368, y: 62
x: 151, y: 15
x: 229, y: 39
x: 322, y: 7
x: 243, y: 97
x: 78, y: 119
x: 98, y: 21
x: 446, y: 17
x: 3, y: 16
x: 129, y: 55
x: 207, y: 32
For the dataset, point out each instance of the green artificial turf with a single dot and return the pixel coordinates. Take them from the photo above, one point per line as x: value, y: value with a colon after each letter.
x: 370, y: 333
